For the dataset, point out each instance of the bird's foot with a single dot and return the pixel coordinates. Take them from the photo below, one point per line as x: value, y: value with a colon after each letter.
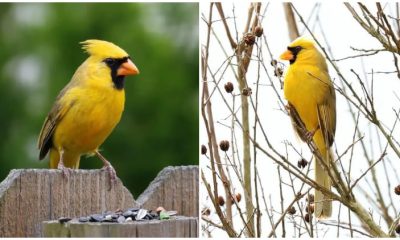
x: 288, y: 108
x: 111, y: 172
x: 108, y: 168
x: 310, y: 134
x: 66, y: 172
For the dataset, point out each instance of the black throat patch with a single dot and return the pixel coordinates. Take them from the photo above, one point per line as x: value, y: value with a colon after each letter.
x: 114, y: 64
x: 295, y: 51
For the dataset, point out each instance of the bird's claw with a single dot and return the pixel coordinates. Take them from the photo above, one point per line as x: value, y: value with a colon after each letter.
x: 309, y: 136
x: 111, y: 173
x: 66, y: 172
x: 109, y: 168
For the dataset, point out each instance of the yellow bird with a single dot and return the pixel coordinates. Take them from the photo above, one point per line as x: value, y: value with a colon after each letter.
x: 312, y: 104
x: 88, y: 108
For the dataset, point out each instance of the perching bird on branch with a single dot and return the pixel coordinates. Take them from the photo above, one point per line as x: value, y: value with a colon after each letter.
x: 88, y: 108
x: 312, y: 107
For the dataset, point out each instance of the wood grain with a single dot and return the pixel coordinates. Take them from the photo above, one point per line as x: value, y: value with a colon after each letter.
x: 30, y: 196
x: 175, y: 188
x: 176, y: 227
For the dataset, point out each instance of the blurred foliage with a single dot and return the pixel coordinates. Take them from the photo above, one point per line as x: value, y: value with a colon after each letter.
x: 40, y: 52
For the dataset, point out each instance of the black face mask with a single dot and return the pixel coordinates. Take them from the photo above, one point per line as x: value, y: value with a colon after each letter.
x: 114, y: 64
x: 294, y: 51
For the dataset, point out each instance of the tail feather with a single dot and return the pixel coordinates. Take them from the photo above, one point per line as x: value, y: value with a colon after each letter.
x: 323, y: 205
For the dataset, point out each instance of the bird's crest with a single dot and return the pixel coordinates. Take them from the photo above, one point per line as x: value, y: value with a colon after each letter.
x: 103, y: 49
x: 303, y: 41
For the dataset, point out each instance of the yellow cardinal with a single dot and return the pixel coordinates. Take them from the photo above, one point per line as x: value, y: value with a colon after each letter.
x: 311, y: 97
x: 88, y: 108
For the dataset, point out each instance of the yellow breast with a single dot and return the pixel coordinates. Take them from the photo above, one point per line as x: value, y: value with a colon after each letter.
x: 304, y: 92
x: 93, y: 114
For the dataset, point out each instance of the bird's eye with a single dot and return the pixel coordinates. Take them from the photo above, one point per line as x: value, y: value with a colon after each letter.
x: 295, y: 50
x: 109, y: 61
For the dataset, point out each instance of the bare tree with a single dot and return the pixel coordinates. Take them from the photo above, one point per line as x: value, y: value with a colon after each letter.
x: 232, y: 163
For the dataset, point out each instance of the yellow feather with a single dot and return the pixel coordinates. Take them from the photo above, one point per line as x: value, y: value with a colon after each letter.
x: 86, y: 110
x: 308, y: 88
x: 102, y: 49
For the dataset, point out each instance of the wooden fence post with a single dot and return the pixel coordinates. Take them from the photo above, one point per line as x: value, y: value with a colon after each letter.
x: 174, y: 188
x: 32, y: 199
x: 30, y: 196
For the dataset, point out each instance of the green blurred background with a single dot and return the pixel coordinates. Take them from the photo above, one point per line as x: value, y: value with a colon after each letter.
x: 40, y: 52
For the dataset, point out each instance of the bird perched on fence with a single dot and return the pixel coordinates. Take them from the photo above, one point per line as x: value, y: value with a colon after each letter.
x: 88, y: 108
x: 312, y: 107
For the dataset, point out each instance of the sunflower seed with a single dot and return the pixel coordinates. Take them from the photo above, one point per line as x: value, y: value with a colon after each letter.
x: 141, y: 214
x: 96, y: 218
x: 121, y: 219
x: 127, y: 214
x: 172, y: 213
x: 133, y: 209
x: 83, y: 219
x: 64, y: 219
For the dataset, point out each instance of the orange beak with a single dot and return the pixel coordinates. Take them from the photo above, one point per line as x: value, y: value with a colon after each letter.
x: 127, y: 68
x: 287, y: 55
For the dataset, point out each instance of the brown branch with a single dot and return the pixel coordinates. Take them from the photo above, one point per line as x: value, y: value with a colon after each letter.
x: 212, y: 142
x: 291, y: 21
x: 228, y: 32
x: 282, y: 202
x: 212, y: 223
x: 370, y: 29
x: 358, y: 55
x: 231, y: 232
x: 388, y: 30
x: 369, y: 168
x: 296, y: 199
x: 340, y: 225
x: 243, y: 63
x: 348, y: 199
x: 258, y: 211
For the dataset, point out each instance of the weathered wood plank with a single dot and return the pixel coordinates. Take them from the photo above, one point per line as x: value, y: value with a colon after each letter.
x: 174, y: 188
x: 176, y: 227
x: 30, y: 196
